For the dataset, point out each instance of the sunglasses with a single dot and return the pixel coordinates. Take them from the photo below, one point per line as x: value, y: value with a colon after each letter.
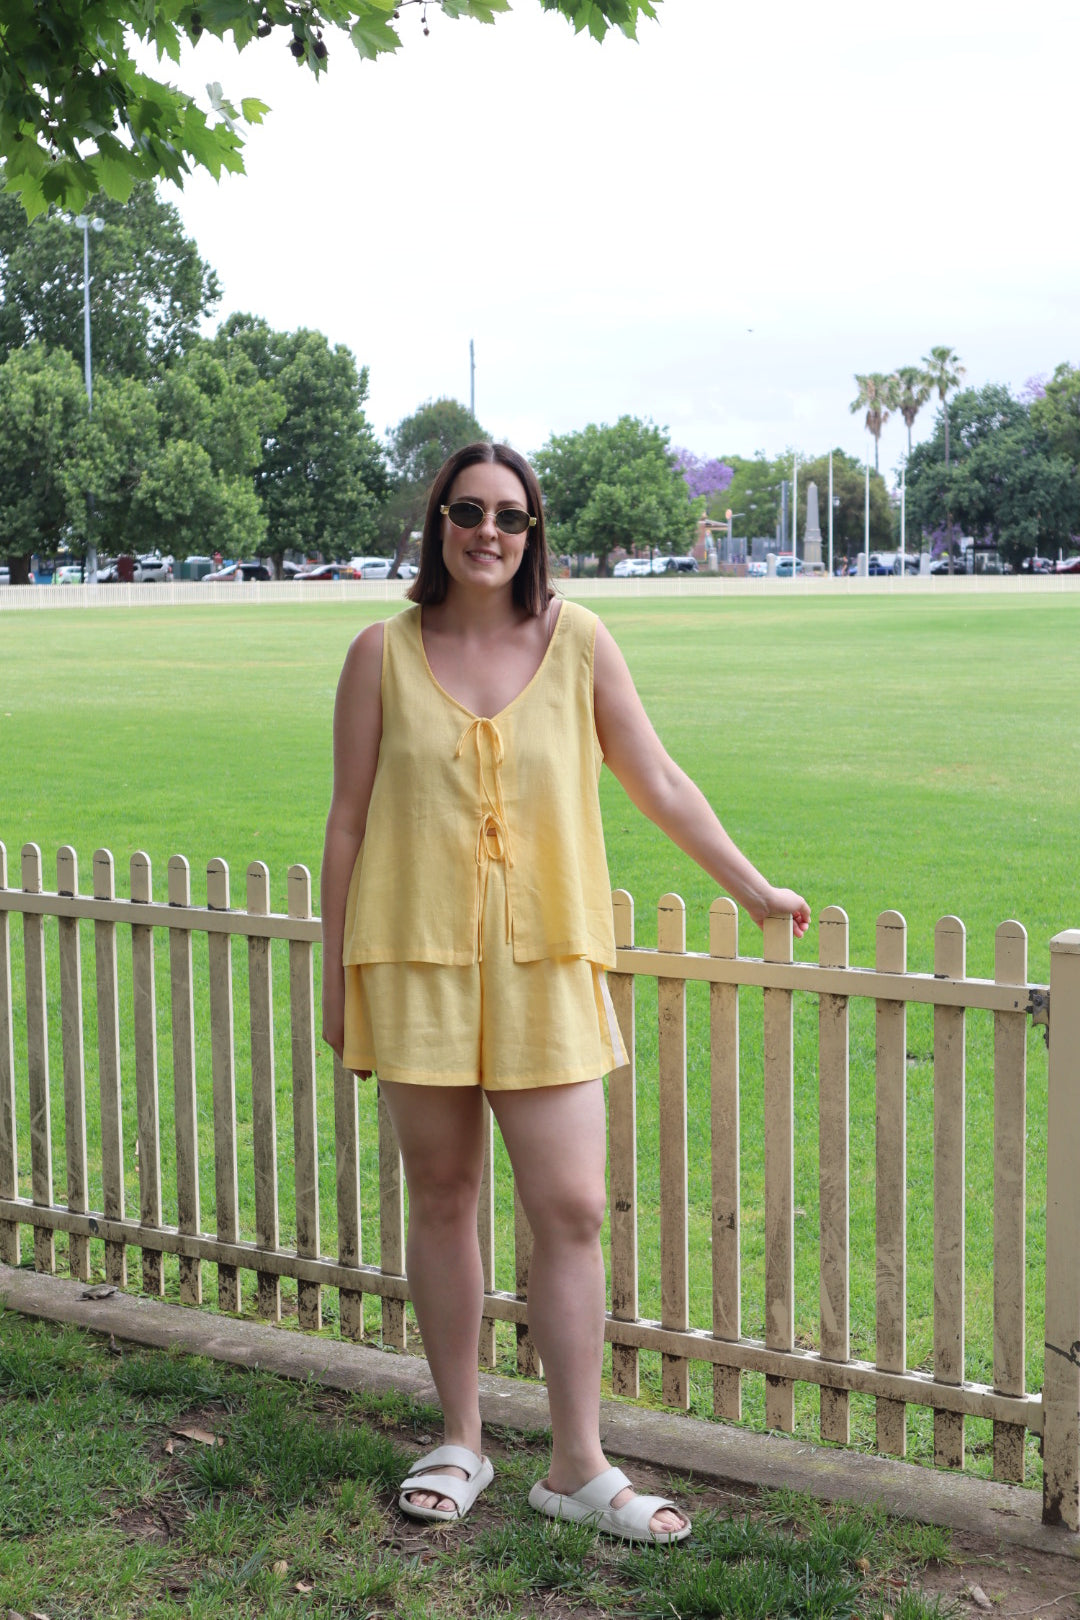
x: 470, y: 514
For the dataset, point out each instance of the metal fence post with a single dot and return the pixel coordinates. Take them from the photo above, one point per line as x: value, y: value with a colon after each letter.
x: 1061, y: 1375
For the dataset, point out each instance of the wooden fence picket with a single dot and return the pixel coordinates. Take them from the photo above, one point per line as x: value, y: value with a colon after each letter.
x: 9, y: 1134
x: 305, y: 1106
x: 890, y: 1220
x: 223, y: 1072
x: 347, y: 1177
x: 1010, y: 1197
x: 109, y: 1084
x: 185, y: 1098
x: 725, y: 1154
x: 485, y: 1231
x: 779, y: 1175
x: 834, y: 1128
x: 146, y: 1074
x: 263, y: 1093
x: 949, y: 1192
x: 674, y: 1216
x: 622, y: 1161
x: 71, y: 1030
x: 37, y: 1061
x: 391, y: 1226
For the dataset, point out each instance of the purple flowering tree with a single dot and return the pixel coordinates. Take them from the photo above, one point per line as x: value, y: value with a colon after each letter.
x: 703, y: 477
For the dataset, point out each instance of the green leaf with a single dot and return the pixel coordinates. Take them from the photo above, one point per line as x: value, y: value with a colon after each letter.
x: 372, y: 37
x: 252, y: 110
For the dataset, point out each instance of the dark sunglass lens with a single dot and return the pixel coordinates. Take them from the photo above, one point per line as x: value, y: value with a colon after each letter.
x: 512, y: 520
x: 466, y: 514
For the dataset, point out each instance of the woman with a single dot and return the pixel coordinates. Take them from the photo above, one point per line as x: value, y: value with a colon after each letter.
x: 464, y: 948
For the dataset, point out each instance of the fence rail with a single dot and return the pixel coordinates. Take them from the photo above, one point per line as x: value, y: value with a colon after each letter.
x: 241, y: 1244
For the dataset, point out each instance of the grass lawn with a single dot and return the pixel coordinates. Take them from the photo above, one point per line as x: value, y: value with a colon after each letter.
x: 892, y: 752
x: 140, y: 1486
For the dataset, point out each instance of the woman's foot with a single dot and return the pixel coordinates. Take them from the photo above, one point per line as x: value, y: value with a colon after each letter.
x: 457, y: 1475
x: 610, y: 1502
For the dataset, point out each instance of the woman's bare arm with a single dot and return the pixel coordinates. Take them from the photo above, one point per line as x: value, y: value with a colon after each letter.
x: 357, y: 733
x: 664, y: 792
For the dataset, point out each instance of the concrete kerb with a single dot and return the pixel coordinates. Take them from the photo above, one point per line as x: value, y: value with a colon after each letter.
x: 687, y: 1446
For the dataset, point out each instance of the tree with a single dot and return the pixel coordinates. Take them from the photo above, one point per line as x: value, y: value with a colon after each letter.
x: 875, y: 396
x: 78, y: 116
x: 1005, y: 484
x: 615, y: 486
x: 322, y: 476
x: 149, y: 289
x: 1057, y: 412
x: 753, y: 494
x: 943, y: 372
x: 172, y: 464
x: 42, y: 412
x: 416, y: 449
x: 911, y: 390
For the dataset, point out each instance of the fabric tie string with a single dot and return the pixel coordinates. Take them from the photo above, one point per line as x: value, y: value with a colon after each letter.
x: 493, y: 834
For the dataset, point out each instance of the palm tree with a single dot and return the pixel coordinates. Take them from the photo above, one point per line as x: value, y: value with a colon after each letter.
x: 875, y: 396
x: 943, y: 372
x: 911, y: 390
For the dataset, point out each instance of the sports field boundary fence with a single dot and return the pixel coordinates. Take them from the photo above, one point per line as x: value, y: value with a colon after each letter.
x: 51, y: 948
x: 188, y: 593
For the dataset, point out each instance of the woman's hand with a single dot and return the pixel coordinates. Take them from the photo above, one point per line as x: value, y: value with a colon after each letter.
x: 784, y: 903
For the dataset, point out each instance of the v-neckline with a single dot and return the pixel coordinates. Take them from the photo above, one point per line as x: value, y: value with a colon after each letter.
x: 464, y: 707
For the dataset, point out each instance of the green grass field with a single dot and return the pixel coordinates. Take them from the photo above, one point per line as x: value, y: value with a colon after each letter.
x: 909, y: 753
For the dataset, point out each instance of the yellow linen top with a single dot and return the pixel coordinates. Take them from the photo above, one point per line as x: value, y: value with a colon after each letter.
x: 454, y: 791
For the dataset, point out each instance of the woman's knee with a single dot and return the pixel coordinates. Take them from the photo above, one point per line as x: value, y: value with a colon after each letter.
x: 446, y: 1192
x: 571, y: 1213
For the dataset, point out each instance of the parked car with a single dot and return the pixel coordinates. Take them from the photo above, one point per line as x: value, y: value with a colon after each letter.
x: 757, y: 568
x: 631, y: 568
x: 786, y: 565
x: 1071, y: 565
x: 5, y: 574
x: 156, y: 570
x: 324, y: 572
x: 1036, y: 565
x: 69, y: 574
x: 236, y: 572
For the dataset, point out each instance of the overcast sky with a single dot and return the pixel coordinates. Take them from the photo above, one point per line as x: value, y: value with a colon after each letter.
x: 715, y: 227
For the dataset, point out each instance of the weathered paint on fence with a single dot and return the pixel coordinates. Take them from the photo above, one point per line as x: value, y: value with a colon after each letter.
x: 1053, y: 1413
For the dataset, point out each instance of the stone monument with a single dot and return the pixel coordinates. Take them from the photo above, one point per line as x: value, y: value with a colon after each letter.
x: 812, y: 538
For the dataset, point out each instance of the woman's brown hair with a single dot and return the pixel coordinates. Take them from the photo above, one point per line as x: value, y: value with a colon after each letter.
x: 532, y: 587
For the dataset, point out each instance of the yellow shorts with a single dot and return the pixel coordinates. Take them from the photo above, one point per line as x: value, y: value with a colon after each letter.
x: 496, y: 1023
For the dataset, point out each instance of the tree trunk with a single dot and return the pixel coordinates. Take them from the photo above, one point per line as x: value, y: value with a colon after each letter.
x: 402, y: 546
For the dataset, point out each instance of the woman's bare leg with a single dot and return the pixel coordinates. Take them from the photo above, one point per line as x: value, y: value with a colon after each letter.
x: 556, y: 1138
x: 440, y: 1132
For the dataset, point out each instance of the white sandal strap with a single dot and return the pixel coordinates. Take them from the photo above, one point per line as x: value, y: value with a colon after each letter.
x: 597, y: 1493
x: 446, y: 1457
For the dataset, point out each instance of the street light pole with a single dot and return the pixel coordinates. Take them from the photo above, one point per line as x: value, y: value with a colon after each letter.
x: 830, y: 517
x: 87, y: 225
